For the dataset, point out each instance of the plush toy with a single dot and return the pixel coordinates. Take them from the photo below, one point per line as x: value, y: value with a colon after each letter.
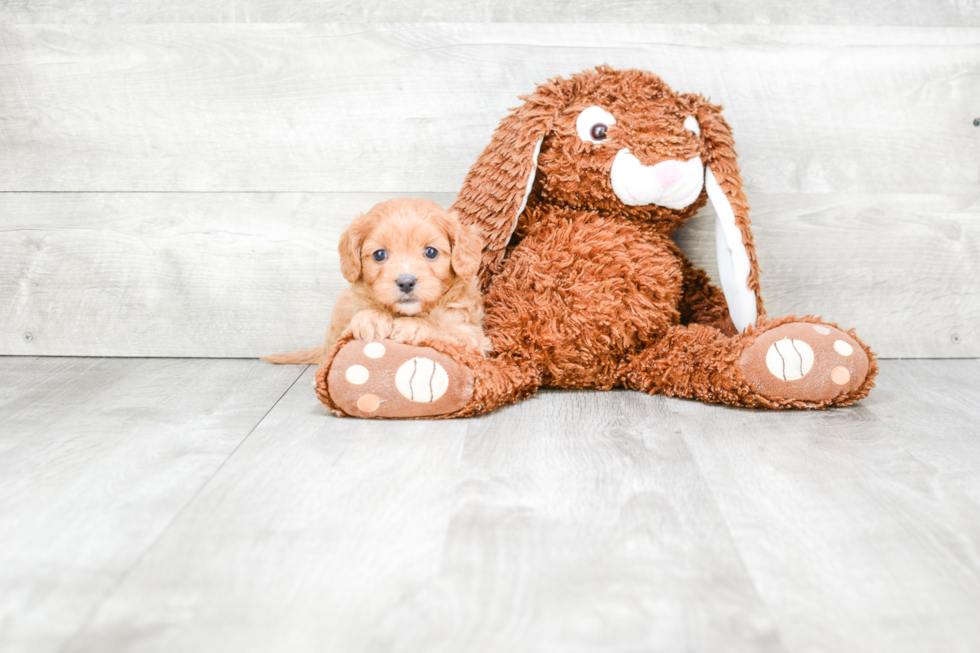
x: 577, y: 195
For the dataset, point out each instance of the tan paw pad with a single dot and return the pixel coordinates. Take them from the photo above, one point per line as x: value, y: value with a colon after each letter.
x: 392, y: 379
x: 801, y: 361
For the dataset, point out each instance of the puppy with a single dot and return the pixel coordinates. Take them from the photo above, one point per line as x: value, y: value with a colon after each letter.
x: 413, y: 273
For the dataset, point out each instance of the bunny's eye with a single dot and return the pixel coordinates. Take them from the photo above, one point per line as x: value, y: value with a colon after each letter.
x: 380, y: 255
x: 431, y: 252
x: 593, y: 124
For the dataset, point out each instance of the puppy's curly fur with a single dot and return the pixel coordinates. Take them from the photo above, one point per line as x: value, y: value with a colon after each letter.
x: 413, y: 272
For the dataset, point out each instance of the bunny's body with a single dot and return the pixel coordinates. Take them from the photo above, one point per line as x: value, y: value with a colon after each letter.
x: 578, y: 195
x: 581, y: 292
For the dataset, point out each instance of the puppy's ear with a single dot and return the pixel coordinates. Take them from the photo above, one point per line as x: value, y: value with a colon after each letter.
x: 349, y: 246
x: 467, y: 244
x: 497, y: 186
x: 737, y: 263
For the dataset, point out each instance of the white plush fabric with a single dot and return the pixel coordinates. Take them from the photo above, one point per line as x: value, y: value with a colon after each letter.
x: 691, y: 124
x: 733, y: 260
x: 530, y: 185
x: 594, y: 115
x: 789, y: 359
x: 638, y: 185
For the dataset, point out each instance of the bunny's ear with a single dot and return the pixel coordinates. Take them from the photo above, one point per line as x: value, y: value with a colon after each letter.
x: 467, y: 245
x: 497, y: 187
x: 737, y: 264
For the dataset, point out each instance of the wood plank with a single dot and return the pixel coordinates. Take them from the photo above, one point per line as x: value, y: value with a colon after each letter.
x: 776, y: 12
x: 407, y: 108
x: 574, y: 522
x: 901, y: 269
x: 244, y: 275
x: 97, y: 457
x: 213, y: 275
x: 855, y: 542
x: 931, y: 408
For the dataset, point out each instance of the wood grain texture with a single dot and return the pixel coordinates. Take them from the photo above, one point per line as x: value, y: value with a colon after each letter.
x: 576, y: 522
x: 97, y: 457
x: 245, y: 275
x: 136, y: 516
x: 904, y: 270
x: 861, y: 526
x: 213, y: 275
x: 407, y: 108
x: 944, y: 441
x: 794, y: 12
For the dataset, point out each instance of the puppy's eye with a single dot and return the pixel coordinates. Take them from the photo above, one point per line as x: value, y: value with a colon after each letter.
x: 593, y: 124
x: 380, y: 255
x: 431, y: 252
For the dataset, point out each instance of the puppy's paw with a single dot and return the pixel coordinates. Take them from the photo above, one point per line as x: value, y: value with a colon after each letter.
x: 371, y: 325
x: 471, y: 338
x: 410, y: 331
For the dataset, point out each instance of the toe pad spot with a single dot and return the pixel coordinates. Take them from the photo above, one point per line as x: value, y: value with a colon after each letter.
x: 843, y: 348
x: 368, y: 403
x: 357, y: 374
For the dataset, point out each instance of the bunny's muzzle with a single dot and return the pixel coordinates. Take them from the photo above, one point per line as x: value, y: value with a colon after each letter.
x: 672, y: 184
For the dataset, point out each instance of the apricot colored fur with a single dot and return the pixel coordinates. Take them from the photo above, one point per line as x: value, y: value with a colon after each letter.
x: 445, y: 304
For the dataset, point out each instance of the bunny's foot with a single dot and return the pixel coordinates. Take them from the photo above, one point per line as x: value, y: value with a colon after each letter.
x: 390, y: 379
x: 807, y: 364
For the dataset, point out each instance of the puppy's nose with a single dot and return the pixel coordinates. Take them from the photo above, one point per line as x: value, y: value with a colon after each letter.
x: 405, y: 282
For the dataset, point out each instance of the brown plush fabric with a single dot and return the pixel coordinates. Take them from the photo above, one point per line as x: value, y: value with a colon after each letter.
x: 700, y: 362
x: 372, y: 389
x: 584, y: 291
x: 834, y: 365
x: 494, y: 382
x: 575, y: 174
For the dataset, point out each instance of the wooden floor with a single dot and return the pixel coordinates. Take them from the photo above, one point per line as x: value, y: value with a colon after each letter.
x: 179, y: 505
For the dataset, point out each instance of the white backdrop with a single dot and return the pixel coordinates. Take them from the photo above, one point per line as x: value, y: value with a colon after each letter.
x: 174, y: 178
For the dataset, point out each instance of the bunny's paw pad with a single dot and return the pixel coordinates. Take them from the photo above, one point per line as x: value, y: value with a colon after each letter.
x: 803, y: 361
x: 391, y: 379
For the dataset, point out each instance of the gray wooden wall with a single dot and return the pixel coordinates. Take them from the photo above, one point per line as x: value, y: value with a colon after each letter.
x: 174, y: 175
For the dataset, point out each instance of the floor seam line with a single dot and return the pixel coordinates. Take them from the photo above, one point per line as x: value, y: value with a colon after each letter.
x: 156, y: 540
x: 731, y: 536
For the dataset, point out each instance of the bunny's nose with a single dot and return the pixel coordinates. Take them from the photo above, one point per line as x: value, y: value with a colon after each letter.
x: 667, y: 173
x: 405, y: 282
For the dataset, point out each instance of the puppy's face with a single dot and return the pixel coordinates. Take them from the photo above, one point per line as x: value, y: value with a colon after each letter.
x: 408, y: 252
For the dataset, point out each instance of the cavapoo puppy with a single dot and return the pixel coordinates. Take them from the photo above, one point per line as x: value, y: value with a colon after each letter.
x: 413, y: 273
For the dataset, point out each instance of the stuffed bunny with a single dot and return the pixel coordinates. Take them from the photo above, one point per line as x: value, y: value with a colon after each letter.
x: 577, y: 196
